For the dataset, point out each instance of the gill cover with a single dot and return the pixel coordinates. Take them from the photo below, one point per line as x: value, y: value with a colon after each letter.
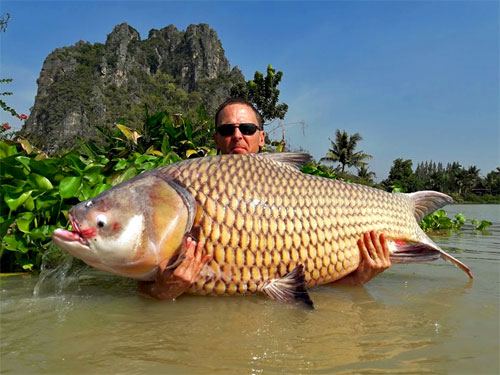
x: 168, y: 211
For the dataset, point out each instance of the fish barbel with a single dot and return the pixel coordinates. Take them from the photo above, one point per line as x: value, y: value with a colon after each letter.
x: 258, y: 216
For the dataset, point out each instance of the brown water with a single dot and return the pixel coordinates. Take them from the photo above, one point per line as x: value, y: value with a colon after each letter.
x: 412, y: 319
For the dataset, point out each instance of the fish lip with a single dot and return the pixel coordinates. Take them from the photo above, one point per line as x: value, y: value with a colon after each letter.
x: 77, y: 230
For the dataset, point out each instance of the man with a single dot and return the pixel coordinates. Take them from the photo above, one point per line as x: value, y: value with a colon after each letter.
x: 239, y: 130
x: 233, y: 135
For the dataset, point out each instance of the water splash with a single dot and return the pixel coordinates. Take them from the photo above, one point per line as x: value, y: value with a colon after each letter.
x: 58, y: 271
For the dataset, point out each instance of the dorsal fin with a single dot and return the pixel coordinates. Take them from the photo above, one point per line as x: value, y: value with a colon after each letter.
x: 427, y: 202
x: 294, y: 159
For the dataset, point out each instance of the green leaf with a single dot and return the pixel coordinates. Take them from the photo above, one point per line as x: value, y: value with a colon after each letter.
x: 460, y: 218
x: 28, y: 266
x: 483, y: 225
x: 15, y: 201
x: 24, y: 221
x: 10, y: 242
x: 148, y: 165
x: 141, y: 159
x: 86, y: 149
x: 45, y: 202
x: 41, y: 232
x: 24, y: 160
x: 39, y: 182
x: 73, y: 160
x: 85, y: 192
x: 188, y: 131
x: 99, y: 189
x: 46, y: 167
x: 93, y: 174
x: 69, y: 186
x: 129, y: 173
x: 7, y: 150
x: 308, y: 169
x: 29, y: 204
x: 12, y: 167
x: 122, y: 164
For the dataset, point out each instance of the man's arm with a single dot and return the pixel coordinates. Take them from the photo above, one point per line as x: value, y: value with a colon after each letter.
x: 171, y: 283
x: 375, y: 258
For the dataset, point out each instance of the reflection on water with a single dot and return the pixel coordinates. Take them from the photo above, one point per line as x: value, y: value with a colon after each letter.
x: 413, y: 319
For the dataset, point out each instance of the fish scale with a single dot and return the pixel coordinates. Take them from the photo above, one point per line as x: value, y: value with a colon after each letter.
x: 260, y: 219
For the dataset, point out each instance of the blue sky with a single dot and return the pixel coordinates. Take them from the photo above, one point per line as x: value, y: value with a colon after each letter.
x: 417, y: 79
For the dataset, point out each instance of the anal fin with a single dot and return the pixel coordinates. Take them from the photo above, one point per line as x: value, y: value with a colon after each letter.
x: 422, y: 252
x: 289, y: 288
x: 414, y: 253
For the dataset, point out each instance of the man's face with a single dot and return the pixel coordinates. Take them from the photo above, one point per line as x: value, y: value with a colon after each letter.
x: 238, y: 143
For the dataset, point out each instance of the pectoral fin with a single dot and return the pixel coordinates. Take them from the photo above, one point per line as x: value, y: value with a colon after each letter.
x: 289, y: 288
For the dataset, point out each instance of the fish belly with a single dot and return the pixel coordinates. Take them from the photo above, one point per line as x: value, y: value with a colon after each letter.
x: 260, y: 219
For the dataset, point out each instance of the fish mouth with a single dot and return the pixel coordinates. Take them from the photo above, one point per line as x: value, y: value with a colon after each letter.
x: 74, y: 235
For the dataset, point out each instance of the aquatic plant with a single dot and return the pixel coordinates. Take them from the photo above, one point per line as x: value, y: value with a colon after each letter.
x: 439, y: 220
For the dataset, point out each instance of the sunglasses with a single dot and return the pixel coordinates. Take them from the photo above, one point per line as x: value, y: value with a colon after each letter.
x: 227, y: 130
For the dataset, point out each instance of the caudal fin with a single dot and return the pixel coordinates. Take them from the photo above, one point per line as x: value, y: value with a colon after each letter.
x: 425, y: 250
x: 426, y: 202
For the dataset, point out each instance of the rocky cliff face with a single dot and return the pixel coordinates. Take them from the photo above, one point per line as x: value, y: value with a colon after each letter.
x: 100, y: 84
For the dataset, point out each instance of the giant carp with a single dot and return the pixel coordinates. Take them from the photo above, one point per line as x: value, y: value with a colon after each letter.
x: 259, y: 218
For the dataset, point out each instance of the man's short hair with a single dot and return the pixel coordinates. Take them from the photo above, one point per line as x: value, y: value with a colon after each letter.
x: 239, y: 101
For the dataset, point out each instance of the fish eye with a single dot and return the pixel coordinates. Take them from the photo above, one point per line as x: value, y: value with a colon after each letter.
x: 101, y: 220
x: 89, y: 204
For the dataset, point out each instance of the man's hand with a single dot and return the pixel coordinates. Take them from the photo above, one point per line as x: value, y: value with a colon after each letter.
x: 375, y: 258
x: 171, y: 283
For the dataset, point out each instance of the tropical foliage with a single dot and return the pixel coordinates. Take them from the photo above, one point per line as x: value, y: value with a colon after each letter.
x: 461, y: 183
x: 366, y: 176
x: 344, y: 152
x: 263, y: 93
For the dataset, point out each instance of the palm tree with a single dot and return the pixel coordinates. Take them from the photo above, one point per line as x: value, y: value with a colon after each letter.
x: 471, y: 178
x: 343, y: 151
x: 366, y: 175
x: 492, y: 181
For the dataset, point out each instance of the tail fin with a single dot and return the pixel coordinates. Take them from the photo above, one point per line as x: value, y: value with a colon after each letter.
x: 425, y: 250
x: 426, y: 202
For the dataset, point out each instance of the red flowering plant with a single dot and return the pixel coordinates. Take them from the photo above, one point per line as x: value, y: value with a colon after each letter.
x: 6, y: 126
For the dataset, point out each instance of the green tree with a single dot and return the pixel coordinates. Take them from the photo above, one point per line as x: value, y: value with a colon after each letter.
x: 366, y: 175
x: 470, y: 178
x: 453, y: 174
x: 263, y: 93
x: 401, y: 177
x: 343, y: 151
x: 492, y: 181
